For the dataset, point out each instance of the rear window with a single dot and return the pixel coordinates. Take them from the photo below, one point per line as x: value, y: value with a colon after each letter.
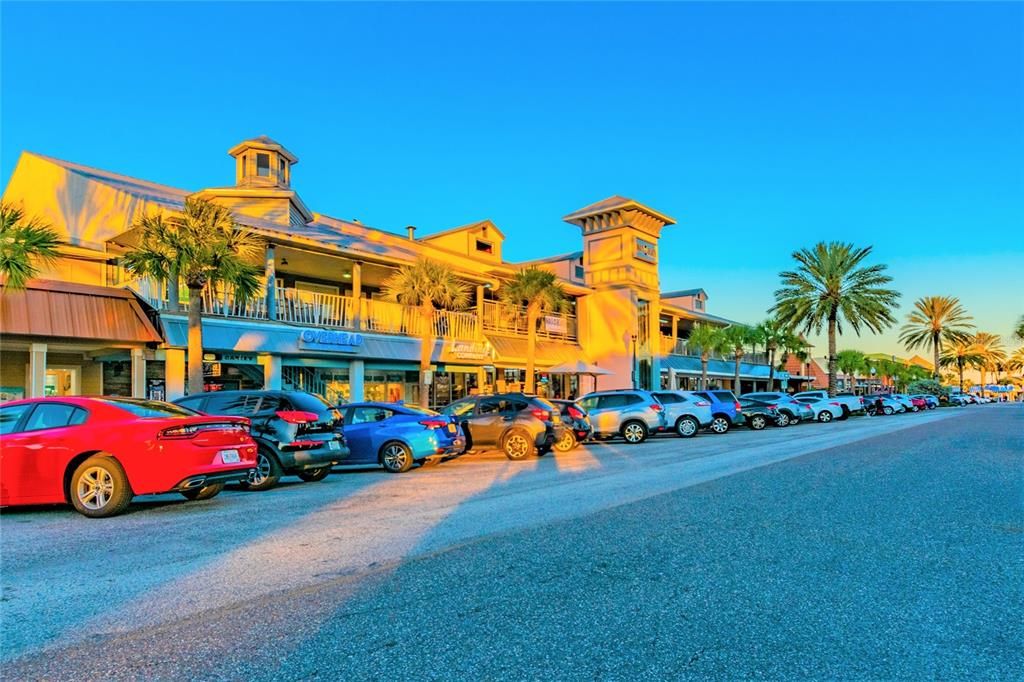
x: 54, y: 416
x: 703, y: 394
x: 670, y: 398
x: 725, y: 396
x: 150, y: 408
x: 9, y: 416
x: 309, y: 402
x: 235, y: 404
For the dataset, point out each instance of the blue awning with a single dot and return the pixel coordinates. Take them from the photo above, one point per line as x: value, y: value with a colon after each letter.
x: 685, y: 364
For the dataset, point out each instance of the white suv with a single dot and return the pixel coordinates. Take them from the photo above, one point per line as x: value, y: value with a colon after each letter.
x: 634, y: 415
x: 685, y: 412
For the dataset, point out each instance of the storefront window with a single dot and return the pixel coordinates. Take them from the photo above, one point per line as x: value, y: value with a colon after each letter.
x: 450, y: 386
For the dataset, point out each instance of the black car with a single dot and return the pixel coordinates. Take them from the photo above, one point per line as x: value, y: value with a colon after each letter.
x: 758, y: 413
x: 520, y: 425
x: 297, y: 433
x: 576, y: 423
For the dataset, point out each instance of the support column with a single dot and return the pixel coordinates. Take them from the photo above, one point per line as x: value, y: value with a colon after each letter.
x: 138, y: 373
x: 672, y: 379
x: 675, y: 333
x: 654, y: 346
x: 36, y: 385
x: 174, y: 373
x: 356, y: 370
x: 479, y: 312
x: 271, y: 371
x: 357, y: 294
x: 270, y: 271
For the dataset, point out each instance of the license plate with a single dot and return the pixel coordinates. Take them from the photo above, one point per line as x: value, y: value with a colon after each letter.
x: 333, y: 445
x: 229, y: 456
x: 451, y: 428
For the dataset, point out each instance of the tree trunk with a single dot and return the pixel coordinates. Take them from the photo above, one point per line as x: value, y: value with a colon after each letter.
x: 960, y: 367
x: 703, y: 371
x: 427, y: 339
x: 936, y: 352
x: 736, y: 381
x: 531, y: 348
x: 195, y: 340
x: 771, y: 367
x: 832, y: 353
x: 981, y: 370
x: 172, y: 291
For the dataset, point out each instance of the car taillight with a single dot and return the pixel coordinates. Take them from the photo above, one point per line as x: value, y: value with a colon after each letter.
x: 701, y: 403
x: 656, y: 407
x: 575, y: 413
x: 187, y: 431
x: 434, y: 423
x: 297, y: 416
x: 540, y: 414
x: 773, y: 407
x: 738, y: 407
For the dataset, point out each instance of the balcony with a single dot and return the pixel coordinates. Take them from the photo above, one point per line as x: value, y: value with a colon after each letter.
x: 498, y: 317
x: 672, y: 346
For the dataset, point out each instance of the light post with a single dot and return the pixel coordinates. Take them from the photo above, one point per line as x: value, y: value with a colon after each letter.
x: 632, y: 346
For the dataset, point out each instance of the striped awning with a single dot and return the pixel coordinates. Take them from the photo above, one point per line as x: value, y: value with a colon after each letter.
x: 511, y: 351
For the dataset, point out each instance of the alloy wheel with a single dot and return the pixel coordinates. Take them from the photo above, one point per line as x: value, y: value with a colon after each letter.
x: 758, y: 422
x: 719, y: 424
x: 95, y: 488
x: 633, y: 433
x: 262, y: 471
x: 516, y: 446
x: 825, y: 417
x: 567, y: 442
x: 395, y: 456
x: 783, y: 419
x: 686, y: 427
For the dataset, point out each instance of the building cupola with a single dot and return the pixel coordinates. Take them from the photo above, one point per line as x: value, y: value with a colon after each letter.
x: 262, y: 162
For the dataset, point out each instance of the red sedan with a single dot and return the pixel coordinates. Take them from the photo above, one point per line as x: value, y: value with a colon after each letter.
x: 97, y: 453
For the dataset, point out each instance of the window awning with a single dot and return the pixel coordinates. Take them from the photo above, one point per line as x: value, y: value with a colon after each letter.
x: 84, y: 312
x: 511, y: 350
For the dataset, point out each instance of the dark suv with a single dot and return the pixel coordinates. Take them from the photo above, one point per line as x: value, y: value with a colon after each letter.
x: 520, y: 425
x: 725, y: 410
x: 296, y: 433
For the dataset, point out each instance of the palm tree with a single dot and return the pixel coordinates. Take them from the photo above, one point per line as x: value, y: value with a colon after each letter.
x: 851, y: 363
x: 770, y: 333
x: 1018, y: 329
x: 990, y: 351
x: 25, y: 246
x: 735, y: 339
x: 1015, y: 363
x: 831, y: 285
x: 204, y: 246
x: 936, y: 320
x: 960, y: 354
x: 709, y: 340
x: 539, y: 291
x: 427, y: 284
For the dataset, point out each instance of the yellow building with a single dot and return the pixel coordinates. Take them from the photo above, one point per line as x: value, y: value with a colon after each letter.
x: 323, y: 323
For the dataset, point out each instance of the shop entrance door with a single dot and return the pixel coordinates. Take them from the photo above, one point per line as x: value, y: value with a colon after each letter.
x: 62, y: 381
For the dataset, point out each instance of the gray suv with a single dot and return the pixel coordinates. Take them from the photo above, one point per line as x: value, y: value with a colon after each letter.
x: 519, y: 425
x: 685, y: 412
x: 634, y: 415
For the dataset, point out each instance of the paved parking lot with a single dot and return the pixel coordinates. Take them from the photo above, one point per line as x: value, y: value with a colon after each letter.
x: 288, y: 564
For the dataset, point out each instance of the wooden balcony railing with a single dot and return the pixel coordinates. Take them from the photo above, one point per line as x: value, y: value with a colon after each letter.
x: 498, y: 317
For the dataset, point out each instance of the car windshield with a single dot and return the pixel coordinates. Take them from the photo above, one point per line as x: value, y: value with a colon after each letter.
x: 148, y: 409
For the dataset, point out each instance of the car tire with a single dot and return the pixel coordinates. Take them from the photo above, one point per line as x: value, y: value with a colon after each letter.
x: 517, y: 444
x: 99, y: 487
x: 825, y: 417
x: 395, y: 457
x: 783, y: 421
x: 634, y: 432
x: 205, y: 493
x: 313, y: 475
x: 887, y: 410
x: 846, y: 413
x: 720, y: 425
x: 687, y: 427
x: 567, y: 442
x: 266, y: 474
x: 758, y: 422
x: 914, y: 408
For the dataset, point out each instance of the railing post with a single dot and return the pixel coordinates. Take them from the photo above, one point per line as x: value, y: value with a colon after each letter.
x: 357, y: 293
x: 478, y: 333
x: 270, y: 270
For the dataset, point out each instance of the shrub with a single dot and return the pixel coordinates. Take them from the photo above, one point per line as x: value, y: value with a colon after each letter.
x: 929, y: 386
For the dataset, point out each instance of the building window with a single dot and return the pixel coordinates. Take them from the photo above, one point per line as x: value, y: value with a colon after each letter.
x: 263, y: 165
x: 244, y: 164
x: 281, y: 170
x: 579, y: 272
x: 698, y: 304
x: 484, y: 247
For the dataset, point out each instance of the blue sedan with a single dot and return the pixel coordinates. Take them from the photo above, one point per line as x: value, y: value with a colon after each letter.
x: 397, y: 436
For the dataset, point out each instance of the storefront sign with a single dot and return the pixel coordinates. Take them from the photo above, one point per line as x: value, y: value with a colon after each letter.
x: 555, y: 324
x: 322, y: 339
x: 239, y: 358
x: 468, y: 350
x: 646, y: 250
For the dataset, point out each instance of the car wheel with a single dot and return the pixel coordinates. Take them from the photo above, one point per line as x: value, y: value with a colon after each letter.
x: 825, y: 417
x: 204, y: 493
x: 932, y: 407
x: 758, y: 422
x: 687, y: 427
x: 396, y: 457
x: 99, y: 487
x: 783, y: 419
x: 846, y: 413
x: 634, y: 432
x: 567, y: 442
x: 887, y: 410
x: 720, y: 425
x: 518, y: 445
x: 914, y: 408
x: 312, y: 475
x: 266, y: 474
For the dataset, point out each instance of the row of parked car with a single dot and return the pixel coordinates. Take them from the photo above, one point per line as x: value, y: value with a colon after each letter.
x: 97, y: 453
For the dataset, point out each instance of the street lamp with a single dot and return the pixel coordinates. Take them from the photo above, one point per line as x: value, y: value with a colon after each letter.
x: 632, y: 346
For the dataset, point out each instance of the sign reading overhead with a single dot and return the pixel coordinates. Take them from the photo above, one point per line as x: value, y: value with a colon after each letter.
x: 323, y: 339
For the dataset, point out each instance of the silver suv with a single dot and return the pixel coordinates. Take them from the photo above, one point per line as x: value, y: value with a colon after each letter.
x: 685, y: 412
x: 634, y: 415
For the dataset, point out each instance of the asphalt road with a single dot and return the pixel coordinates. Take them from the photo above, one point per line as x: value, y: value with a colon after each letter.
x: 871, y: 548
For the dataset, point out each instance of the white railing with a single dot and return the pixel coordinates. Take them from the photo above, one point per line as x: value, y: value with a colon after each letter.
x: 673, y: 346
x: 316, y: 309
x: 499, y: 317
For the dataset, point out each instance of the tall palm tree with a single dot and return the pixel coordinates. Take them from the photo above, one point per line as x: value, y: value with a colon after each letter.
x: 426, y: 285
x: 1018, y: 329
x: 1015, y: 363
x: 851, y: 363
x: 771, y: 334
x: 934, y: 321
x: 735, y: 339
x: 539, y: 291
x: 709, y: 340
x: 990, y: 351
x: 831, y: 285
x: 25, y: 246
x: 204, y: 246
x: 960, y: 354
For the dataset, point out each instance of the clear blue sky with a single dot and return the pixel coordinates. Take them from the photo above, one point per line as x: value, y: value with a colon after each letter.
x: 761, y: 128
